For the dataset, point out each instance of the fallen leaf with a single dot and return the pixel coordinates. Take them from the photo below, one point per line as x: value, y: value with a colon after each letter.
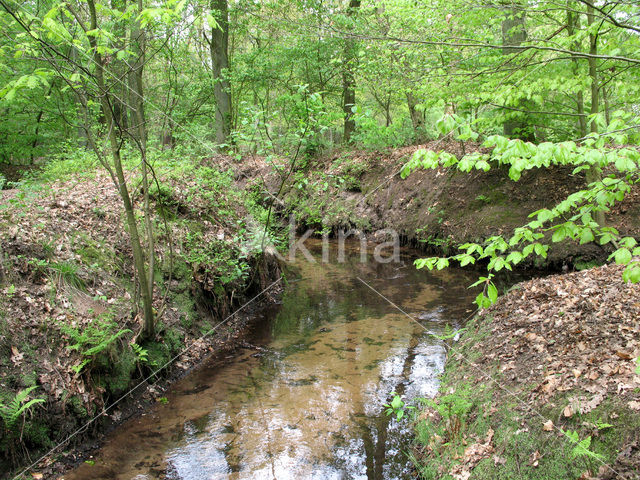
x: 591, y: 404
x: 624, y: 355
x: 534, y: 458
x: 547, y: 426
x: 568, y: 411
x: 634, y: 405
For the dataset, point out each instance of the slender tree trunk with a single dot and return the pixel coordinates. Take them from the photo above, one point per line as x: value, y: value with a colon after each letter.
x: 348, y: 78
x: 594, y: 174
x: 138, y: 44
x: 220, y: 65
x: 573, y: 24
x: 417, y: 118
x: 607, y: 109
x: 514, y: 34
x: 113, y: 128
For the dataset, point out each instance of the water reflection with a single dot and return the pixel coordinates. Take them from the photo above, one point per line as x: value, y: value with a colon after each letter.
x: 308, y: 404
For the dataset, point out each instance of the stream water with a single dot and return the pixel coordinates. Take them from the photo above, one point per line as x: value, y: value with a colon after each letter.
x: 308, y: 404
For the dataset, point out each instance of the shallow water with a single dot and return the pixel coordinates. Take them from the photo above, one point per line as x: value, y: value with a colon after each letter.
x: 308, y: 402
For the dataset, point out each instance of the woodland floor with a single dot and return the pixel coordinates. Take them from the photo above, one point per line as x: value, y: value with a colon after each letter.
x: 554, y: 354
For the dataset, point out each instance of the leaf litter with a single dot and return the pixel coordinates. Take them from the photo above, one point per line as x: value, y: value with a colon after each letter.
x: 576, y: 338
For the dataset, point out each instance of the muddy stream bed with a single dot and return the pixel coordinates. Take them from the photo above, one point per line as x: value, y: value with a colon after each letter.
x: 307, y: 401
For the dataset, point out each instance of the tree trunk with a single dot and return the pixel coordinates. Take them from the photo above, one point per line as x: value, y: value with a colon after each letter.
x: 417, y: 118
x: 348, y: 78
x: 138, y: 44
x: 607, y: 108
x: 514, y: 34
x: 220, y: 65
x: 573, y: 24
x: 113, y: 130
x: 594, y: 174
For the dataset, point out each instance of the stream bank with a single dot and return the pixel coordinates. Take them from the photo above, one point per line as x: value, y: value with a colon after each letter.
x: 544, y: 384
x: 68, y: 329
x: 432, y: 210
x: 304, y: 397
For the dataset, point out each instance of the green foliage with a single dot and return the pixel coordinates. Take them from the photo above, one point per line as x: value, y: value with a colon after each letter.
x: 95, y: 341
x: 397, y: 407
x: 70, y: 160
x: 454, y: 409
x: 581, y: 448
x: 571, y: 219
x: 372, y: 134
x: 60, y: 272
x: 216, y: 258
x: 142, y: 354
x: 17, y: 407
x: 449, y: 333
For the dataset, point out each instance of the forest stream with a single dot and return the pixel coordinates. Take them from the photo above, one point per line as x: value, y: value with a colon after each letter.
x: 305, y: 398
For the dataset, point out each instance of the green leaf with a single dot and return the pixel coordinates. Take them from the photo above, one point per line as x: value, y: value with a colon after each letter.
x: 586, y: 236
x: 631, y: 273
x: 492, y: 293
x: 622, y: 256
x: 442, y: 263
x: 482, y: 301
x: 559, y: 234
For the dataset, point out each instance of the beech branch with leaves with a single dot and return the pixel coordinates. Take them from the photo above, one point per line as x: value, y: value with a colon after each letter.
x: 571, y: 219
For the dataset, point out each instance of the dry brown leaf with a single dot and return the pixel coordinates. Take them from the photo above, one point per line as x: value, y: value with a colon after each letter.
x: 624, y: 355
x: 568, y: 411
x: 591, y: 404
x: 547, y: 426
x: 634, y: 405
x: 534, y: 458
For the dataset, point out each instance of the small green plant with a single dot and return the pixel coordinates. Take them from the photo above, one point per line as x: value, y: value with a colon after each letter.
x: 61, y: 272
x: 94, y: 341
x: 581, y: 448
x: 491, y: 291
x: 17, y: 407
x: 449, y: 333
x: 142, y: 354
x: 454, y: 408
x: 67, y: 273
x: 397, y: 407
x: 216, y: 258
